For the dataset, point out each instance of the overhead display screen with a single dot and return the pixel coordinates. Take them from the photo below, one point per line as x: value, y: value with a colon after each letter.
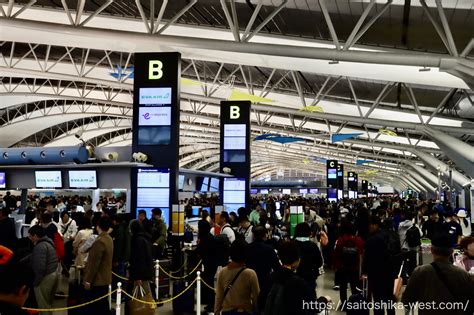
x: 48, y: 179
x: 155, y: 96
x: 254, y: 191
x: 234, y: 193
x: 3, y: 180
x: 154, y: 135
x: 235, y: 143
x: 152, y: 178
x: 181, y: 182
x: 83, y: 179
x: 303, y: 191
x: 214, y: 185
x: 332, y: 173
x: 286, y: 191
x: 205, y: 184
x: 154, y: 116
x: 314, y: 191
x: 152, y: 197
x: 264, y: 191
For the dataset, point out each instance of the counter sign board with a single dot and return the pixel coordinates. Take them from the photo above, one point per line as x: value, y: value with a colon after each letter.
x: 156, y: 129
x: 235, y: 151
x: 332, y: 179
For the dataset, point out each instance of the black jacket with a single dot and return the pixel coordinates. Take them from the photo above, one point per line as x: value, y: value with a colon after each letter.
x: 263, y: 259
x: 310, y: 260
x: 10, y: 309
x: 141, y: 258
x: 296, y: 291
x: 207, y: 251
x: 377, y: 262
x: 7, y: 233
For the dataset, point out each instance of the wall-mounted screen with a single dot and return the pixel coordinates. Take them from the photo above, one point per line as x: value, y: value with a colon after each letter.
x: 332, y: 194
x: 195, y: 211
x: 48, y: 179
x: 214, y: 185
x: 254, y: 191
x: 286, y: 191
x: 234, y: 193
x: 339, y: 174
x: 205, y: 184
x: 153, y: 188
x: 3, y: 180
x: 351, y: 179
x: 235, y: 143
x: 264, y: 191
x: 181, y: 182
x: 154, y: 116
x: 155, y: 96
x: 153, y: 178
x: 152, y: 197
x: 234, y: 156
x: 314, y: 191
x: 303, y: 191
x: 83, y: 179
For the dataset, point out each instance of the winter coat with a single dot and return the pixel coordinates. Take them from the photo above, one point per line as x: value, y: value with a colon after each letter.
x: 43, y: 259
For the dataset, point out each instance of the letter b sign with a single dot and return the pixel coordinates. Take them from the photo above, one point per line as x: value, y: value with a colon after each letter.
x: 234, y: 112
x: 155, y: 70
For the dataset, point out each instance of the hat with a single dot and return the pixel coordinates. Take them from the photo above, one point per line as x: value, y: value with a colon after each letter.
x: 462, y: 213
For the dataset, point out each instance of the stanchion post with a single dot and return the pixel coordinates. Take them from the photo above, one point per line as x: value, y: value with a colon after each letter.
x: 118, y: 300
x: 198, y: 293
x: 110, y: 297
x: 157, y: 279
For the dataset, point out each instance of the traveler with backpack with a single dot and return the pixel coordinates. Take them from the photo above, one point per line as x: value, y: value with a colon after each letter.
x: 310, y: 255
x: 207, y: 249
x: 380, y: 265
x: 245, y: 227
x: 226, y: 229
x: 289, y: 291
x: 410, y: 240
x: 237, y: 287
x: 347, y: 258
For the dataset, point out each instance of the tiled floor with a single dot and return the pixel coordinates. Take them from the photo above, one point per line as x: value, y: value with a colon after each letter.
x: 325, y: 284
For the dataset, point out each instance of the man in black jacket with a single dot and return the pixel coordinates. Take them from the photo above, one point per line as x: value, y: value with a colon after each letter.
x: 310, y: 256
x: 377, y: 265
x: 262, y: 259
x: 7, y: 229
x: 289, y: 294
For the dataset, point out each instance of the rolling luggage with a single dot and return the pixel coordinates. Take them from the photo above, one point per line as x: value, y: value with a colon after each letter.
x: 185, y: 303
x: 356, y: 301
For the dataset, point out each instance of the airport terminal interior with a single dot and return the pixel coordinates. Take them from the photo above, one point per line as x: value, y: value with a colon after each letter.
x: 236, y: 157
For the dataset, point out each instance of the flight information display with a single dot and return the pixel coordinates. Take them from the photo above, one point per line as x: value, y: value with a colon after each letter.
x: 235, y: 143
x: 234, y: 192
x: 152, y: 178
x: 214, y: 185
x: 48, y: 179
x: 153, y: 188
x: 3, y: 181
x: 83, y: 179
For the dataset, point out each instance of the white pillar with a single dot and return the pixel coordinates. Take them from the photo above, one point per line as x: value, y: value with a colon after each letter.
x: 198, y: 293
x: 118, y: 301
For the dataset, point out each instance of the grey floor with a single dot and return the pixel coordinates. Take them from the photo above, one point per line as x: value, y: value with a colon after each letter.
x: 325, y: 284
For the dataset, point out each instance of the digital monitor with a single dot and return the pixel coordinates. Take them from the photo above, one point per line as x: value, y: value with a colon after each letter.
x: 286, y: 191
x: 277, y: 205
x: 154, y: 135
x: 154, y: 116
x: 339, y: 174
x: 155, y: 96
x: 214, y: 185
x: 181, y: 182
x: 234, y: 156
x: 340, y: 194
x: 314, y: 191
x: 3, y: 180
x: 234, y: 193
x: 352, y: 194
x: 153, y: 197
x: 332, y: 173
x: 83, y: 179
x: 205, y: 184
x: 264, y: 191
x: 195, y: 211
x: 153, y: 178
x: 48, y: 179
x: 234, y: 184
x: 253, y: 191
x: 233, y: 207
x: 351, y: 179
x: 332, y: 194
x: 303, y: 191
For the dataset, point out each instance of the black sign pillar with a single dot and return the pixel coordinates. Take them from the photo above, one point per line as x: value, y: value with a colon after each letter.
x: 235, y: 154
x: 156, y: 103
x: 340, y: 181
x: 332, y: 179
x: 365, y: 187
x: 352, y: 184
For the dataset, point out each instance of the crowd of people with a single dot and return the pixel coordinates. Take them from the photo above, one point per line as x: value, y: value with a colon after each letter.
x: 259, y: 259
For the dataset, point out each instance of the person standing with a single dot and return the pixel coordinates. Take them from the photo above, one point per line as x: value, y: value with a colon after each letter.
x: 44, y: 262
x: 440, y: 282
x: 225, y: 226
x: 433, y: 226
x: 159, y: 234
x: 452, y: 228
x: 310, y: 255
x: 121, y: 238
x: 377, y: 265
x: 7, y: 229
x: 98, y: 272
x: 410, y: 240
x: 237, y: 287
x: 141, y: 258
x: 464, y: 222
x: 207, y: 251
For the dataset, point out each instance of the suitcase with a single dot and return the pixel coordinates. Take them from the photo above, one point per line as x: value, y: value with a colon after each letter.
x: 185, y: 303
x: 358, y: 299
x: 75, y: 297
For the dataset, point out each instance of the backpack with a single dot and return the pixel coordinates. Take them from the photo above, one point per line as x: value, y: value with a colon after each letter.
x: 222, y: 249
x: 274, y: 304
x: 242, y: 234
x: 59, y: 246
x: 413, y: 237
x: 350, y: 254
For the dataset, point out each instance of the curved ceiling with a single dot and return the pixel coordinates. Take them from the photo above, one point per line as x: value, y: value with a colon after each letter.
x: 53, y: 86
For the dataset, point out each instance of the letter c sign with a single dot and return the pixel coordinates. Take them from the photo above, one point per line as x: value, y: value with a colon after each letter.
x: 331, y: 164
